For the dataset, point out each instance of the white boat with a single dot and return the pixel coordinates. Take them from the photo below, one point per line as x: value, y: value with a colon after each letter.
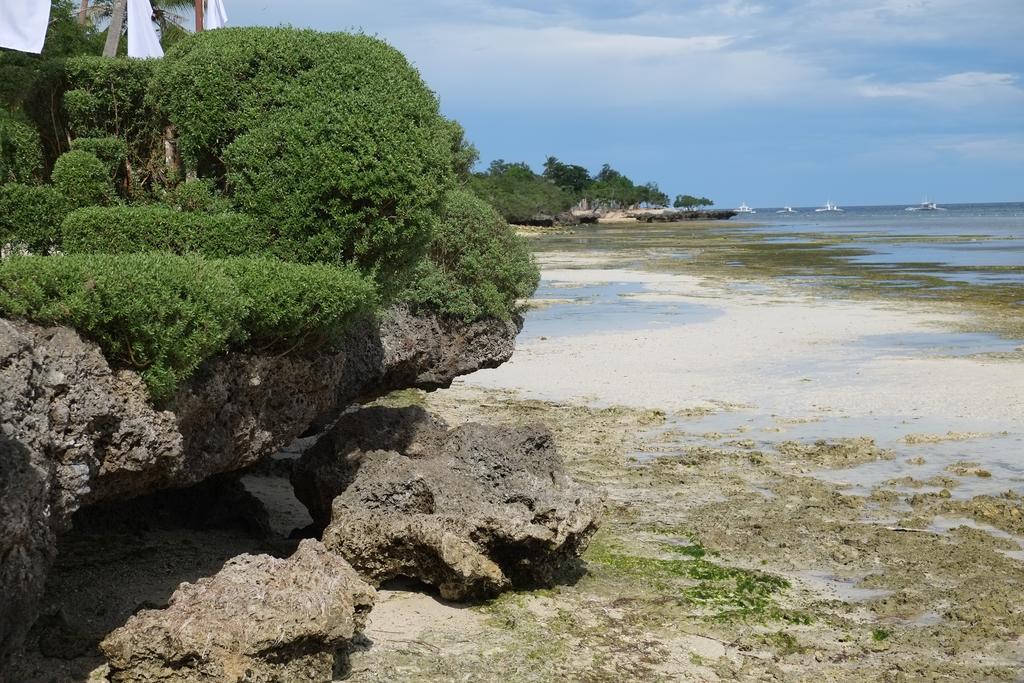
x: 925, y: 206
x: 745, y: 209
x: 829, y: 208
x: 787, y: 209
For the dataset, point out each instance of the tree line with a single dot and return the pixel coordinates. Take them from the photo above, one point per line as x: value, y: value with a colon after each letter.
x: 521, y: 195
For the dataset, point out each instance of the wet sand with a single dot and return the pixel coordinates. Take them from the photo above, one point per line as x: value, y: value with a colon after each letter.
x: 799, y: 487
x: 788, y: 354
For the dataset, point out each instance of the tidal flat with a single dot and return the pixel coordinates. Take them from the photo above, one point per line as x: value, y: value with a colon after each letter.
x: 811, y: 472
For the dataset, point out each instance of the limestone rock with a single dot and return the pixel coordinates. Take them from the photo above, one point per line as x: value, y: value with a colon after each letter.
x: 75, y: 431
x: 260, y: 619
x: 474, y: 510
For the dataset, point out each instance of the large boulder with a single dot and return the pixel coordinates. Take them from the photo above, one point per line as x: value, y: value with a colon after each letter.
x: 260, y: 619
x: 474, y: 510
x: 75, y: 431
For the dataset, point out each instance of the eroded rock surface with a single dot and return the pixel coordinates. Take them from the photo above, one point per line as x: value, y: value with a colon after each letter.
x: 260, y: 619
x: 74, y: 431
x: 473, y: 510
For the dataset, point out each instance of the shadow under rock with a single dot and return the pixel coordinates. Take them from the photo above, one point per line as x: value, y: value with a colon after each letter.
x: 120, y: 558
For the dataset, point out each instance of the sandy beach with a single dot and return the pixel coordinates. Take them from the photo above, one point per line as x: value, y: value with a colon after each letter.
x: 862, y: 452
x: 791, y: 355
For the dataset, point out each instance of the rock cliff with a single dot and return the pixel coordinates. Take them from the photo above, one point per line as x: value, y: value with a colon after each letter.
x: 474, y: 510
x: 75, y: 431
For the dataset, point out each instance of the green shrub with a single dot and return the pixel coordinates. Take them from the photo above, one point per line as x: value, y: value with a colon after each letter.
x: 196, y: 195
x: 219, y: 84
x: 30, y: 216
x: 331, y: 139
x: 21, y: 156
x: 160, y: 314
x: 295, y: 305
x: 339, y: 184
x: 107, y: 98
x: 34, y: 84
x: 111, y: 151
x: 163, y: 315
x: 130, y: 229
x: 518, y: 194
x: 83, y: 179
x: 476, y: 265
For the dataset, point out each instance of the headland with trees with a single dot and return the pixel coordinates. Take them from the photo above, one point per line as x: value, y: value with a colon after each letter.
x: 257, y: 189
x: 565, y: 192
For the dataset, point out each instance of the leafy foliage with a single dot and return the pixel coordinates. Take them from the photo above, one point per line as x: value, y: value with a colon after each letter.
x: 34, y: 84
x: 690, y: 203
x: 164, y: 315
x: 160, y: 314
x: 570, y: 177
x: 518, y: 194
x: 612, y: 188
x: 330, y: 139
x: 128, y: 229
x: 107, y: 98
x: 296, y: 305
x: 21, y: 158
x: 196, y: 195
x: 344, y: 180
x: 30, y: 216
x: 83, y: 179
x: 476, y: 265
x: 522, y: 196
x: 321, y: 172
x: 110, y: 150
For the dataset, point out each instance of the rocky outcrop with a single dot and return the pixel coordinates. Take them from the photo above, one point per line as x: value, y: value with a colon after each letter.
x: 74, y: 431
x: 260, y: 619
x: 473, y: 510
x: 27, y: 541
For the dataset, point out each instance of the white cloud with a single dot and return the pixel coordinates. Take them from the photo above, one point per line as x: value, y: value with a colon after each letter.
x: 969, y: 88
x: 942, y: 150
x: 809, y: 55
x: 985, y: 148
x: 601, y: 68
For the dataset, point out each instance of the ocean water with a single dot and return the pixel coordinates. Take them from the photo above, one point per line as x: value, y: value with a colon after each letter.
x: 975, y: 243
x: 605, y: 307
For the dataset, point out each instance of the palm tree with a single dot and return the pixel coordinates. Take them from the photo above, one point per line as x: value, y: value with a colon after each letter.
x: 117, y: 12
x: 167, y: 15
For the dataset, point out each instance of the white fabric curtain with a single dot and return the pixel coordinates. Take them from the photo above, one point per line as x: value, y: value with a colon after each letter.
x: 23, y: 24
x: 142, y: 38
x: 215, y: 16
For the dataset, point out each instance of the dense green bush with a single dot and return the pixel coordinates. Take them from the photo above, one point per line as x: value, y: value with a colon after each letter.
x: 160, y: 314
x: 163, y: 314
x: 518, y: 194
x: 83, y: 179
x: 34, y: 84
x: 30, y: 216
x: 107, y: 98
x: 476, y: 266
x: 329, y: 146
x: 331, y: 139
x: 343, y: 180
x: 220, y: 84
x: 21, y: 156
x: 196, y: 195
x: 295, y: 305
x: 129, y: 229
x: 110, y: 150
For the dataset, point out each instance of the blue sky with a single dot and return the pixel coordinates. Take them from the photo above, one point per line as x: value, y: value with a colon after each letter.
x: 773, y: 102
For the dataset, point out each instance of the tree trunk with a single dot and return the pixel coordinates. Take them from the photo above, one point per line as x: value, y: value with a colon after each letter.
x: 172, y: 155
x: 114, y: 32
x: 199, y: 16
x: 82, y: 13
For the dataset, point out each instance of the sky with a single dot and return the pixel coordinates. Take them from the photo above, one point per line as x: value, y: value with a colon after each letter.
x: 778, y: 102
